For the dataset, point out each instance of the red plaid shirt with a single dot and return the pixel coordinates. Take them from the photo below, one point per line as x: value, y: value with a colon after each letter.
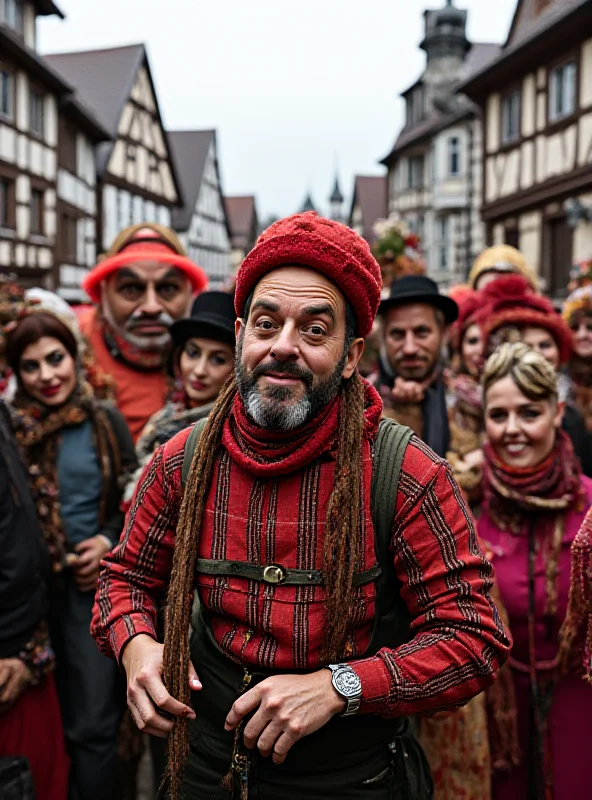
x: 458, y: 640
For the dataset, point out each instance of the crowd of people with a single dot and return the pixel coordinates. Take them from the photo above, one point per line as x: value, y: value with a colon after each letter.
x: 384, y: 564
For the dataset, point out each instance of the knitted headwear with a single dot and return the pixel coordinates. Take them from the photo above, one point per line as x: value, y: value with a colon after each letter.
x: 469, y: 303
x: 510, y: 302
x: 502, y: 259
x: 579, y: 301
x: 143, y: 242
x: 328, y: 247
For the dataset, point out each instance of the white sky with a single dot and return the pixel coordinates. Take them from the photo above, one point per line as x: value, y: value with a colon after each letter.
x: 293, y: 88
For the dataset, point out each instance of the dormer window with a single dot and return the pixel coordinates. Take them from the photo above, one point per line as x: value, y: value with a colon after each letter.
x: 11, y: 14
x: 415, y: 106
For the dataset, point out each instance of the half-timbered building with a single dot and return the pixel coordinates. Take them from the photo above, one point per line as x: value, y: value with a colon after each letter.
x: 537, y: 150
x: 201, y: 221
x: 434, y: 174
x: 136, y: 177
x: 241, y: 212
x: 369, y: 203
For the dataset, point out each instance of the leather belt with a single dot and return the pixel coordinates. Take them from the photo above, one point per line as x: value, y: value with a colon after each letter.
x: 276, y: 574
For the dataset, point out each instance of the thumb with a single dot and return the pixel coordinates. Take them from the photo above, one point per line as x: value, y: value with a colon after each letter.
x: 194, y: 681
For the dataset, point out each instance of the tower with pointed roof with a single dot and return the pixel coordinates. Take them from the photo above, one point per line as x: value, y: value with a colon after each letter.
x: 308, y: 204
x: 336, y: 200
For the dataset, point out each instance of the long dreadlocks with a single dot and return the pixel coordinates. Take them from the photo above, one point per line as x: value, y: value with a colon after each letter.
x: 341, y: 555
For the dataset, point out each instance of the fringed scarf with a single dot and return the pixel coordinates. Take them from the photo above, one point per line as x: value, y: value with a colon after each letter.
x: 534, y: 502
x: 37, y: 429
x: 576, y: 633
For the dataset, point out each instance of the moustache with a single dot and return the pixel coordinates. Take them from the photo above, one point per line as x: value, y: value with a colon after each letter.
x: 294, y: 370
x: 137, y: 320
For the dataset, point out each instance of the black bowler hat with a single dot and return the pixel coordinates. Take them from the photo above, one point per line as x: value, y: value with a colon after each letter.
x: 419, y: 289
x: 212, y: 317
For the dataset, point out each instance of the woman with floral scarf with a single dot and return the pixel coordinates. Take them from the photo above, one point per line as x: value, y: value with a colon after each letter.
x: 78, y: 451
x: 535, y: 501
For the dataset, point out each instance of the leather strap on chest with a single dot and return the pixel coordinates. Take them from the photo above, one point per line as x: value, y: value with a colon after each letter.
x: 391, y: 624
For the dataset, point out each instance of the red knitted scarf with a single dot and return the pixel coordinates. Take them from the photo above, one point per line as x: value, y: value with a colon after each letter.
x: 269, y: 453
x: 551, y: 487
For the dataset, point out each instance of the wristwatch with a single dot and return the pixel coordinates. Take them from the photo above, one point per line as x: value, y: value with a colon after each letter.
x: 347, y: 684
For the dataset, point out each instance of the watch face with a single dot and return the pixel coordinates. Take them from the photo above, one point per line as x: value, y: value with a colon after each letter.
x: 347, y: 683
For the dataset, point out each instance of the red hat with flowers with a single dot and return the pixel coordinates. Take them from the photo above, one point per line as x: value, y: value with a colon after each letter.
x: 328, y: 247
x: 510, y: 302
x: 144, y: 242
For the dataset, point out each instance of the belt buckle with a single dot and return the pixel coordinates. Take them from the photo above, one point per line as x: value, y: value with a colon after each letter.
x: 274, y: 574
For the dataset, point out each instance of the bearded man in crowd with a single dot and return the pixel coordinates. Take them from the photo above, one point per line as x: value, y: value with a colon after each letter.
x: 143, y: 285
x: 415, y: 318
x: 340, y: 581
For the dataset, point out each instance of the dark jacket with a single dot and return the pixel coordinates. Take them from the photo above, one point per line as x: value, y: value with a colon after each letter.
x: 575, y: 427
x: 24, y: 564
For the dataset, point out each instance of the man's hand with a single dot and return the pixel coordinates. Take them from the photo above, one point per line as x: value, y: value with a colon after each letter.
x: 142, y: 661
x: 290, y: 707
x: 405, y: 391
x: 14, y: 679
x: 86, y: 565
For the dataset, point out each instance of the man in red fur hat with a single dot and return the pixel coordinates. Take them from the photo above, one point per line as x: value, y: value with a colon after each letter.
x: 340, y: 581
x: 143, y: 285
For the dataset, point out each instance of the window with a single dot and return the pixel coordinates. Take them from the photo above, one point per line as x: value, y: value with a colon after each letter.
x: 454, y: 156
x: 11, y: 13
x: 6, y: 94
x: 68, y: 238
x: 511, y: 108
x: 562, y: 91
x: 7, y: 204
x: 442, y: 228
x: 36, y: 112
x: 415, y: 169
x: 36, y: 207
x: 67, y: 146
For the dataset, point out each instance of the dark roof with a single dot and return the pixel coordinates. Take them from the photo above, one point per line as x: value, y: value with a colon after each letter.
x: 532, y: 40
x: 104, y: 78
x: 241, y: 213
x: 480, y: 54
x: 371, y: 194
x: 190, y: 151
x: 336, y: 196
x: 46, y: 8
x: 11, y: 44
x: 528, y: 20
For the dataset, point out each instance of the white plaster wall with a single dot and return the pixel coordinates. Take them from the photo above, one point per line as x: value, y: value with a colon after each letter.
x: 7, y: 144
x: 22, y: 101
x: 493, y: 123
x: 529, y: 226
x: 528, y: 105
x: 586, y: 75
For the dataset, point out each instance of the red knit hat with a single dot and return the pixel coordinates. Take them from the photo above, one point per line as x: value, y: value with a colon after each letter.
x: 144, y: 242
x: 332, y: 249
x: 469, y: 305
x: 511, y: 301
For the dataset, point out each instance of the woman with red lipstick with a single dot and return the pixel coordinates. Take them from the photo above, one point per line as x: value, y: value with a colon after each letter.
x: 202, y: 360
x: 535, y: 502
x: 77, y: 450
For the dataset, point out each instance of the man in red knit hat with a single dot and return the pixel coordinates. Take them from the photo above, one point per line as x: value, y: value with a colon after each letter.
x: 340, y: 581
x: 143, y: 285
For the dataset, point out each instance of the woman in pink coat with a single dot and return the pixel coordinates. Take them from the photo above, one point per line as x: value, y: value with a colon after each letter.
x: 535, y: 501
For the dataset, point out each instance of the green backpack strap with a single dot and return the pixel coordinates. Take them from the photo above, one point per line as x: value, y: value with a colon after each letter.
x: 190, y: 446
x: 392, y: 620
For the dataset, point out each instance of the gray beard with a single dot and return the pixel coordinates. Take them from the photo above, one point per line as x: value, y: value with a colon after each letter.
x: 146, y: 343
x: 269, y: 409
